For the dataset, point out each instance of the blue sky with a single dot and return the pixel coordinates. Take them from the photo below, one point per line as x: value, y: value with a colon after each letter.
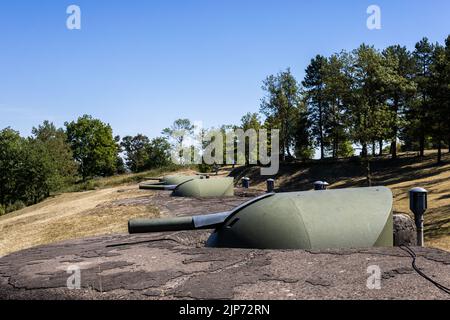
x: 139, y: 65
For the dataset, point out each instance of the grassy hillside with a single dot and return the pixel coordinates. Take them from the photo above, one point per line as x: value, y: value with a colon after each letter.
x: 400, y: 175
x: 103, y: 209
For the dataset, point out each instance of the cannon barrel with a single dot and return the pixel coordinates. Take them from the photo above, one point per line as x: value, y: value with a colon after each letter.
x: 160, y: 225
x: 170, y: 181
x: 154, y: 178
x: 157, y: 186
x: 207, y: 221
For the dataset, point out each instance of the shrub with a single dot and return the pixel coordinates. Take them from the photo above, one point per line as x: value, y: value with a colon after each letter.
x: 15, y: 206
x: 89, y: 185
x: 205, y: 168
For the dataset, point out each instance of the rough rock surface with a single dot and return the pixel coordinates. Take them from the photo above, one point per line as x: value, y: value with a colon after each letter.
x: 177, y: 266
x: 404, y: 230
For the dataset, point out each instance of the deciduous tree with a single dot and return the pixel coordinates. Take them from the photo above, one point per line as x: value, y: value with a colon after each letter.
x: 93, y: 146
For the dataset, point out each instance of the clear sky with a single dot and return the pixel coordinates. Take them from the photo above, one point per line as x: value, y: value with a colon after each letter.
x: 139, y: 65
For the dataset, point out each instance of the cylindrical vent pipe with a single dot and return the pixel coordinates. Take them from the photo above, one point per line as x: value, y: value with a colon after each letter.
x: 246, y: 182
x: 320, y: 185
x: 418, y: 203
x: 270, y: 185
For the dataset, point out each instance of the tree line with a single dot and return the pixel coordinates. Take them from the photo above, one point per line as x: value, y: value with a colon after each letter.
x: 372, y: 100
x: 364, y: 98
x: 52, y: 158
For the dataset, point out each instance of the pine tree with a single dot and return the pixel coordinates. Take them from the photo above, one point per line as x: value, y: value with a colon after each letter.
x: 446, y: 91
x: 335, y: 90
x: 421, y: 111
x: 438, y: 91
x: 314, y: 84
x: 400, y: 89
x: 366, y: 112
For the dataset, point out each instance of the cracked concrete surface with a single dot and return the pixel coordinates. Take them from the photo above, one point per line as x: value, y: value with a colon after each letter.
x: 162, y: 266
x: 177, y: 266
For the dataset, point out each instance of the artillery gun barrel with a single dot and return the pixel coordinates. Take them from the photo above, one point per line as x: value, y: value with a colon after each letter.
x: 154, y: 178
x: 208, y: 221
x: 156, y: 186
x: 160, y: 225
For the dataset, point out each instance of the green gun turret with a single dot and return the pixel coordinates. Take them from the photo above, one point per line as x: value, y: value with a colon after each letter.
x: 166, y: 182
x: 198, y: 187
x: 348, y: 218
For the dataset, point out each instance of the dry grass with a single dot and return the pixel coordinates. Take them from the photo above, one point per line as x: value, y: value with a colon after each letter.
x: 123, y: 179
x: 99, y: 221
x: 437, y: 219
x: 71, y: 216
x: 75, y: 215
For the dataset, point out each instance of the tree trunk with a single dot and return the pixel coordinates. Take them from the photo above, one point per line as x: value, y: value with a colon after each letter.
x: 374, y: 153
x: 333, y: 148
x: 368, y: 173
x: 422, y: 145
x: 321, y: 148
x: 364, y: 151
x: 282, y: 146
x: 321, y: 130
x: 422, y: 127
x: 288, y: 151
x: 286, y: 137
x: 336, y: 146
x: 395, y: 130
x: 439, y: 157
x: 394, y: 149
x: 381, y: 147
